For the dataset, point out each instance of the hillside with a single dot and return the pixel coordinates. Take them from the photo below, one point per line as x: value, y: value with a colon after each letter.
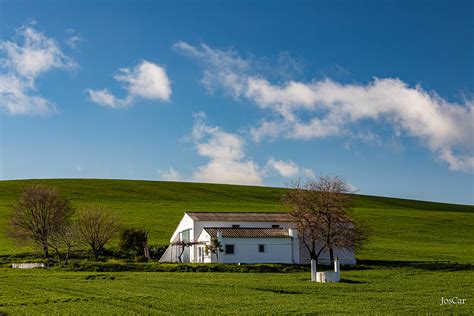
x: 402, y: 229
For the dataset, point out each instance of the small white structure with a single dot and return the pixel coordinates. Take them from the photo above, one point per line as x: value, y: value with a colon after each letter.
x: 325, y: 277
x: 245, y: 238
x: 29, y: 265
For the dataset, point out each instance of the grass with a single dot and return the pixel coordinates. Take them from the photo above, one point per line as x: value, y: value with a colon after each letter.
x: 380, y: 290
x: 397, y: 274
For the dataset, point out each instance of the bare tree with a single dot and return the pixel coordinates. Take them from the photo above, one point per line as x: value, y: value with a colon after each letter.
x: 39, y: 214
x: 321, y: 209
x: 306, y: 216
x: 67, y: 237
x: 96, y: 226
x: 334, y: 204
x: 183, y: 244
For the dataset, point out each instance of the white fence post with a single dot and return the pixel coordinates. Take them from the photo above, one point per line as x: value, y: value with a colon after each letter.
x: 313, y: 270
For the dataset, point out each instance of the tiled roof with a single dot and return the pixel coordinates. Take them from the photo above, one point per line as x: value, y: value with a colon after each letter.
x: 240, y: 216
x: 248, y: 232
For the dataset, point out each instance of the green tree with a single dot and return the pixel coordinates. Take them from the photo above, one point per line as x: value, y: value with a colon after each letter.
x: 135, y: 242
x: 214, y: 247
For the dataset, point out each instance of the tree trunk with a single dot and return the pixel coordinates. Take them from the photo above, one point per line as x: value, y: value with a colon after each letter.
x: 45, y: 250
x: 313, y: 270
x: 180, y: 257
x: 59, y: 256
x: 146, y: 251
x: 96, y: 254
x: 67, y: 255
x: 331, y: 254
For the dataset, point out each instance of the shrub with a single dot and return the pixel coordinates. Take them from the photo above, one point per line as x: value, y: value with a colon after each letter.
x: 133, y: 241
x: 156, y: 251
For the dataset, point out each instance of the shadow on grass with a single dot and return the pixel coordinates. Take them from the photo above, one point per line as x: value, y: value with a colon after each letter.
x: 278, y: 291
x: 423, y: 265
x: 100, y: 277
x: 349, y: 281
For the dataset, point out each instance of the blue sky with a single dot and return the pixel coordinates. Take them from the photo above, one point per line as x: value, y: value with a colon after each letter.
x: 380, y: 93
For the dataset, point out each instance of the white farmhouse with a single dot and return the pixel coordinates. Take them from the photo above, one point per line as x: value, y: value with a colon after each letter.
x: 245, y: 238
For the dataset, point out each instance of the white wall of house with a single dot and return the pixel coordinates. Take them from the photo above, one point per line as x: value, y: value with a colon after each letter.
x: 300, y: 252
x: 186, y: 223
x: 196, y: 227
x: 246, y: 250
x: 276, y: 250
x: 199, y: 225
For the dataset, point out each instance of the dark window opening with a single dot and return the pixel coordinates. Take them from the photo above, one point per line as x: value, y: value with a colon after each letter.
x: 235, y: 226
x: 261, y: 248
x: 275, y: 226
x: 229, y: 249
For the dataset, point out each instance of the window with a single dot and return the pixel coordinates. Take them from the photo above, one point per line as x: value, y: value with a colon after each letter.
x: 229, y: 249
x: 185, y: 235
x: 275, y: 226
x: 261, y: 248
x: 235, y: 226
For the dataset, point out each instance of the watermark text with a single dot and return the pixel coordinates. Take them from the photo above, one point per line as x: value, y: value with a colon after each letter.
x: 452, y: 301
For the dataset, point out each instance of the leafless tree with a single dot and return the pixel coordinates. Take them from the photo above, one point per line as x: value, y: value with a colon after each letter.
x: 321, y: 210
x: 39, y: 214
x: 183, y: 244
x: 96, y: 226
x: 67, y: 237
x: 306, y: 216
x: 334, y: 203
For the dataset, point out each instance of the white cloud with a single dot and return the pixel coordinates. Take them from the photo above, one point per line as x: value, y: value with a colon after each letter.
x: 462, y: 163
x: 73, y: 41
x: 170, y: 175
x: 107, y: 99
x: 309, y: 173
x: 286, y: 169
x: 223, y: 68
x: 227, y: 161
x: 146, y: 80
x: 309, y: 110
x: 24, y: 58
x: 352, y: 188
x: 230, y: 172
x: 74, y: 38
x: 225, y: 151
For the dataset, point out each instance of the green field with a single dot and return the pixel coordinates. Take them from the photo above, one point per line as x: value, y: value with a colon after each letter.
x: 397, y: 274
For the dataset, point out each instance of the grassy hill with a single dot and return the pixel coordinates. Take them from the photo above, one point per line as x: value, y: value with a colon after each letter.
x: 402, y: 229
x: 394, y: 277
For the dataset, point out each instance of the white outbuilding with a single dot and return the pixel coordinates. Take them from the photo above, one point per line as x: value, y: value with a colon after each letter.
x: 245, y: 238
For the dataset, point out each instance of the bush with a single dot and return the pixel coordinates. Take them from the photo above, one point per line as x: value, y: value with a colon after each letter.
x: 133, y: 242
x: 122, y: 265
x: 114, y: 252
x: 156, y: 251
